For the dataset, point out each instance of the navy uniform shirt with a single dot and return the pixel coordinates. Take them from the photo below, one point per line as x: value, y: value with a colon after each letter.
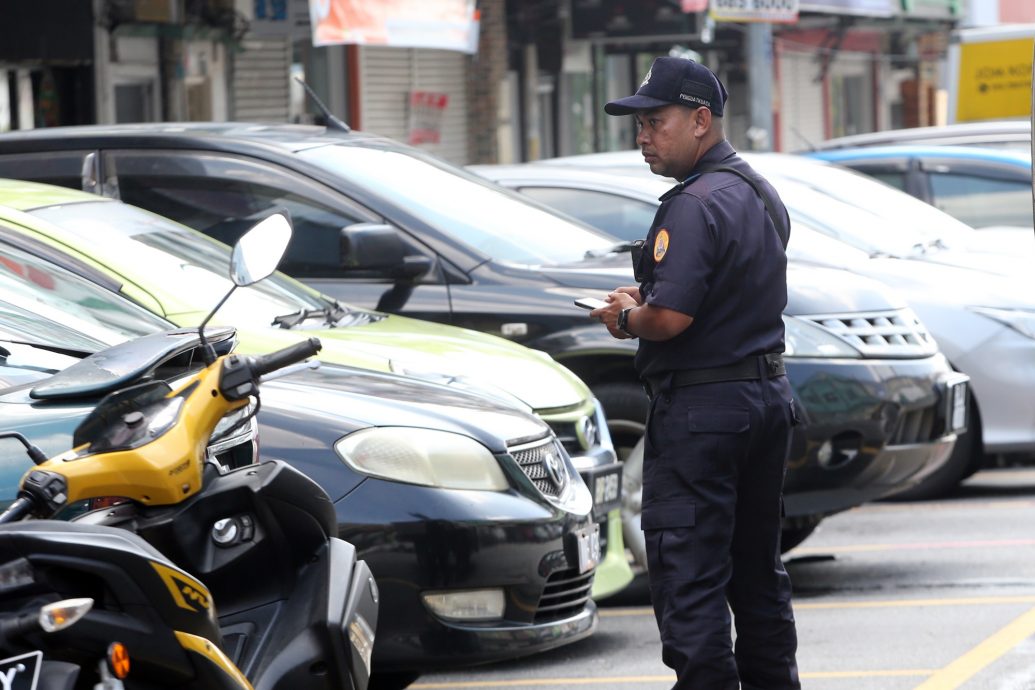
x: 714, y: 254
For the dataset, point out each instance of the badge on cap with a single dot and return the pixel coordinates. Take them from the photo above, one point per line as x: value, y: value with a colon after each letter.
x: 647, y: 78
x: 660, y: 245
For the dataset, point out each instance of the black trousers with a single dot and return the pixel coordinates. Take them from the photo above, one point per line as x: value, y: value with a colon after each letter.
x: 715, y: 457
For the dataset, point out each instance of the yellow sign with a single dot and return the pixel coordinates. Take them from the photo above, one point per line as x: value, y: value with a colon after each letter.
x: 994, y: 80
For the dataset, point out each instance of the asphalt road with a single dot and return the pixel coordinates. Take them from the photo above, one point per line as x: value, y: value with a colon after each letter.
x: 925, y: 596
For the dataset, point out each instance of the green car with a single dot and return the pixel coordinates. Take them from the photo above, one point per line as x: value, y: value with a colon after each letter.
x: 179, y: 273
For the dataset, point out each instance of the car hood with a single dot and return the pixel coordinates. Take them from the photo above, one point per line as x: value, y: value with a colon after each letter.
x: 361, y: 398
x: 1006, y: 259
x: 927, y: 282
x: 346, y: 398
x: 809, y: 287
x: 459, y: 357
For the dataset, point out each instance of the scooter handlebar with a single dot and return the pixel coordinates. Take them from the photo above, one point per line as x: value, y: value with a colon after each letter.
x: 265, y: 364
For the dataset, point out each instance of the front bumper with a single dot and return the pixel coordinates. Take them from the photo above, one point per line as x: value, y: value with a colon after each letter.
x: 873, y: 427
x: 418, y: 539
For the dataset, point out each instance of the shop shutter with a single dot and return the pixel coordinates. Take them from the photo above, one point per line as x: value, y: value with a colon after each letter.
x: 389, y: 75
x: 261, y: 78
x: 801, y: 101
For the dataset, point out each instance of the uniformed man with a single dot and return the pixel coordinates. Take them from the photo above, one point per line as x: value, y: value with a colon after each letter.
x: 707, y: 312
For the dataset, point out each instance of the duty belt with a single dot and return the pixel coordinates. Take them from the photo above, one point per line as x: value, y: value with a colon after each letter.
x: 748, y: 369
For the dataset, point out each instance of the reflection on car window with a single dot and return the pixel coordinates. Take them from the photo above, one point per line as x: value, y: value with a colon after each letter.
x: 982, y: 201
x: 625, y: 218
x: 487, y: 218
x: 179, y: 259
x: 64, y: 169
x: 40, y: 286
x: 893, y: 179
x: 223, y: 197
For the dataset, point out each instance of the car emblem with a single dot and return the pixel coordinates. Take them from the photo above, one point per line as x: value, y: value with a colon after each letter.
x: 554, y: 467
x: 587, y: 433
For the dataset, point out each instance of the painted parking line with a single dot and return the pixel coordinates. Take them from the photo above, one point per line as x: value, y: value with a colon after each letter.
x: 642, y: 680
x: 910, y: 546
x: 878, y: 604
x: 967, y: 666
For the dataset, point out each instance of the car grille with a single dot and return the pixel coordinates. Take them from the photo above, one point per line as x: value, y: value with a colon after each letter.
x: 565, y: 594
x: 535, y: 460
x: 565, y: 432
x: 892, y: 333
x: 914, y: 426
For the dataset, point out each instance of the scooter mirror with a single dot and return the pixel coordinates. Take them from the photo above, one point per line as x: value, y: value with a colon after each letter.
x: 257, y: 253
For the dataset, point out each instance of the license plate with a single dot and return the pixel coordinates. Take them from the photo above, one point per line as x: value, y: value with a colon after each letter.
x: 605, y: 484
x: 21, y: 672
x: 957, y: 412
x: 587, y: 540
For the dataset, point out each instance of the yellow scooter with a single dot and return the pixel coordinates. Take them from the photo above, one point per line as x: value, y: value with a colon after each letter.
x: 296, y: 608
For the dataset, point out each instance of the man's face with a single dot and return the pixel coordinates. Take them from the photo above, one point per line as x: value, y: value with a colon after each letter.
x: 666, y: 138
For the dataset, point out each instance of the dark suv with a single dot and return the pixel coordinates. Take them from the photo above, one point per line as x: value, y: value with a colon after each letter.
x: 384, y: 225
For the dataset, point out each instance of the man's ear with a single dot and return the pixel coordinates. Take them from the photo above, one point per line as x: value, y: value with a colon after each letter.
x: 702, y: 120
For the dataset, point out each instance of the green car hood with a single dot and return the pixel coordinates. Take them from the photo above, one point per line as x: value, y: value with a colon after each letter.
x: 437, y: 352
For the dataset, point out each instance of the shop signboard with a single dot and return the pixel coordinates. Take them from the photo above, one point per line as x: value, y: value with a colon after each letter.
x: 869, y: 8
x: 773, y: 11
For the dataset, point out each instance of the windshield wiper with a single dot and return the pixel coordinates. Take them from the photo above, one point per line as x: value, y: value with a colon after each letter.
x: 331, y: 314
x: 619, y: 248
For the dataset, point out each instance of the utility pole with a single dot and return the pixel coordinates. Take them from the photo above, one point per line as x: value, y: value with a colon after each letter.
x: 760, y: 85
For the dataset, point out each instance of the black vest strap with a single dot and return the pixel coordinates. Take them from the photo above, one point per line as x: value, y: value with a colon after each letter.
x: 770, y: 204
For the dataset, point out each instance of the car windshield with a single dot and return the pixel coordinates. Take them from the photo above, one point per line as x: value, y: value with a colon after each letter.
x: 867, y: 193
x: 181, y: 259
x: 22, y: 324
x: 873, y: 233
x: 39, y: 286
x: 487, y: 218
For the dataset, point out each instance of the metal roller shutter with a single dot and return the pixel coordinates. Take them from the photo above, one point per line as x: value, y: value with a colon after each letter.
x: 801, y: 101
x: 262, y: 71
x: 388, y: 75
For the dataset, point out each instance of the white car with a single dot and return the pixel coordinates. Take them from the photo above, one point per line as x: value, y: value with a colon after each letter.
x: 978, y: 305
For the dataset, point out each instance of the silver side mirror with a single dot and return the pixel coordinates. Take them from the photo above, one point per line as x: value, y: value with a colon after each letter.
x: 257, y: 253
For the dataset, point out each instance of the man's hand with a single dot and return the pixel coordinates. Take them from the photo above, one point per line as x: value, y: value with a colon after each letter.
x: 617, y: 301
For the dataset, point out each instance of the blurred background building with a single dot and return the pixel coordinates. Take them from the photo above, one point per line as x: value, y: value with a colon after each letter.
x: 532, y: 87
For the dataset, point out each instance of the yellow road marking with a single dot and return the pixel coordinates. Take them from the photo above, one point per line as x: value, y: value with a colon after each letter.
x: 626, y: 680
x: 880, y: 604
x: 962, y: 669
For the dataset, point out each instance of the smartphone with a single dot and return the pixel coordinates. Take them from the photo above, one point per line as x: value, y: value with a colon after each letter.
x: 590, y: 303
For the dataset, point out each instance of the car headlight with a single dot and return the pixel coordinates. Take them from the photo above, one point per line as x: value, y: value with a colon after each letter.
x: 1020, y: 320
x: 803, y: 339
x: 422, y: 456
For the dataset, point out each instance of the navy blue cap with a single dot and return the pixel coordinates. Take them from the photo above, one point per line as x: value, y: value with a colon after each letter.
x: 674, y: 80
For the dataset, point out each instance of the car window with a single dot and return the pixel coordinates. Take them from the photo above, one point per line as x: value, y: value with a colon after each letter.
x: 482, y: 215
x: 176, y: 256
x: 625, y: 218
x: 982, y: 201
x: 64, y: 168
x: 888, y: 177
x: 39, y: 285
x: 223, y: 196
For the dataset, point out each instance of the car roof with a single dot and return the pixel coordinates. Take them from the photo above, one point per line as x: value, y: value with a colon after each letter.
x: 191, y: 134
x: 25, y: 196
x: 998, y: 131
x: 976, y: 153
x: 576, y: 176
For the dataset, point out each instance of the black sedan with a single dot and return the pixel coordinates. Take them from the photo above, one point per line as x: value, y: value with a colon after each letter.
x: 489, y: 555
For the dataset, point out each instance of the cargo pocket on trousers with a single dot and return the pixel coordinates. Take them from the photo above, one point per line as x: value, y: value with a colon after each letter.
x: 668, y: 530
x: 719, y: 439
